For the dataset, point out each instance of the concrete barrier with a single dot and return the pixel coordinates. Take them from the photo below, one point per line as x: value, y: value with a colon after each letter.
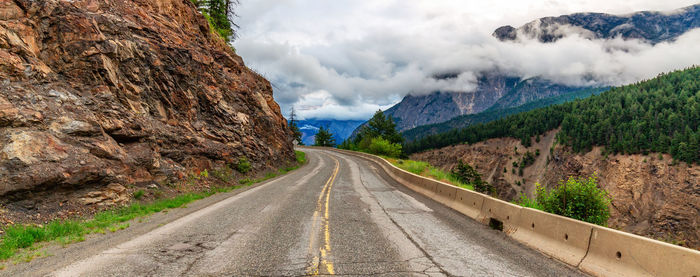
x: 468, y: 202
x: 429, y: 186
x: 596, y: 250
x: 445, y: 194
x: 508, y: 214
x: 561, y: 237
x: 616, y: 253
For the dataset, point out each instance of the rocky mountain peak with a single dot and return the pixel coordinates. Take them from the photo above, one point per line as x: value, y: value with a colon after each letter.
x: 653, y: 27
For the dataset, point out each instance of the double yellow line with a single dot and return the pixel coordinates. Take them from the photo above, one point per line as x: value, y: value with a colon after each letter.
x: 325, y: 250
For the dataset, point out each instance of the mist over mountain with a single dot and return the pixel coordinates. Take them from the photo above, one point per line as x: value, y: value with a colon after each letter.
x: 507, y: 88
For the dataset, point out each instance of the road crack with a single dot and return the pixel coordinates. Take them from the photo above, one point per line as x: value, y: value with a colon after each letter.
x: 405, y: 233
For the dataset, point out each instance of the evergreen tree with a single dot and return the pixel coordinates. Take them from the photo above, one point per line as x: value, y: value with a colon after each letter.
x: 381, y: 126
x: 324, y: 138
x: 219, y: 14
x: 296, y: 133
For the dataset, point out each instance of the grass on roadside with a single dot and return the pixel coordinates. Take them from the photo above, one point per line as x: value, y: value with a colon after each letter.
x: 21, y: 236
x: 427, y: 170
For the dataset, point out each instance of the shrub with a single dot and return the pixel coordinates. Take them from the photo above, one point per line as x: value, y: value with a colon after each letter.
x: 578, y: 198
x: 380, y: 146
x: 468, y: 175
x: 243, y: 165
x: 138, y: 194
x: 224, y: 173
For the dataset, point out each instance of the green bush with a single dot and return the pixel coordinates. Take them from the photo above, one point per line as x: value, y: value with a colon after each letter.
x: 468, y: 175
x: 138, y: 194
x: 578, y: 198
x: 380, y: 146
x: 243, y: 165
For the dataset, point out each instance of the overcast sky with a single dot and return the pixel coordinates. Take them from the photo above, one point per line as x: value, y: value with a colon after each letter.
x: 344, y: 59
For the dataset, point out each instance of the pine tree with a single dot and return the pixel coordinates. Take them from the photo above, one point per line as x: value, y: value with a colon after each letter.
x: 381, y: 126
x: 324, y: 138
x: 296, y: 133
x: 219, y: 14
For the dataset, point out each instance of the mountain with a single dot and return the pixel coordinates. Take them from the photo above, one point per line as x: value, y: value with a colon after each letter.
x: 658, y: 115
x: 642, y: 141
x: 653, y: 27
x: 341, y: 129
x: 495, y: 112
x: 415, y: 111
x: 497, y: 90
x: 109, y: 94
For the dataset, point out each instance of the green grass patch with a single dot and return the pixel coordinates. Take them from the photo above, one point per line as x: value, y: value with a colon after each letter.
x: 20, y: 236
x: 414, y: 167
x: 427, y: 170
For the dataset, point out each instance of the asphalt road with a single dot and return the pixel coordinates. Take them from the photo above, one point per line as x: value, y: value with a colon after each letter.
x: 336, y: 215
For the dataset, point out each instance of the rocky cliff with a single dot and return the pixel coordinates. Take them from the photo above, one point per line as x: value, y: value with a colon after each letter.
x: 651, y: 195
x: 119, y: 92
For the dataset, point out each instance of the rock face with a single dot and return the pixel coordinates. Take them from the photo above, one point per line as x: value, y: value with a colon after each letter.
x: 414, y: 111
x: 653, y: 27
x: 116, y: 92
x: 650, y: 196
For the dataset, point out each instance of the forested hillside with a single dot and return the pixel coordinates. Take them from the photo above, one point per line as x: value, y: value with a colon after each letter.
x: 658, y: 115
x: 493, y: 114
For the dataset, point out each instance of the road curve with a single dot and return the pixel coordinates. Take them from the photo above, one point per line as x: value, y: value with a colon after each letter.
x: 336, y: 215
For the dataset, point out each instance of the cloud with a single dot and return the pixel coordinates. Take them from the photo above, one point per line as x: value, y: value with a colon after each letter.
x: 345, y: 59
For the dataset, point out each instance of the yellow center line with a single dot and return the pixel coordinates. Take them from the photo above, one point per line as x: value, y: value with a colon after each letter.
x: 326, y: 249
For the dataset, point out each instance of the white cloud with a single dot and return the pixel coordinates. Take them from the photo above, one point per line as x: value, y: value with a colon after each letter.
x: 346, y: 59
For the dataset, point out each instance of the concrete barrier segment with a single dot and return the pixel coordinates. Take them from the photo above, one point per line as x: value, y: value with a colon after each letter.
x: 616, y: 253
x: 468, y: 203
x: 561, y: 237
x: 502, y: 212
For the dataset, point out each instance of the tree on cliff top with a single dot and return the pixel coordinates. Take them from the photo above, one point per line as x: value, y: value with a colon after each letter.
x: 219, y: 14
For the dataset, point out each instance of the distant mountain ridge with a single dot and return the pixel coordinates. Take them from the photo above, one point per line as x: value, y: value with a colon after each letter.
x: 341, y: 129
x: 651, y: 26
x: 491, y: 114
x: 497, y: 90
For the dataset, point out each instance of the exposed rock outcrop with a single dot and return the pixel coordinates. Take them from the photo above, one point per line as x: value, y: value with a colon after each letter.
x: 116, y: 92
x: 650, y: 195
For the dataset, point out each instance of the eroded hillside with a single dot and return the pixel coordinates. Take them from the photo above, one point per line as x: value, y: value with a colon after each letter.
x: 96, y: 93
x: 652, y: 195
